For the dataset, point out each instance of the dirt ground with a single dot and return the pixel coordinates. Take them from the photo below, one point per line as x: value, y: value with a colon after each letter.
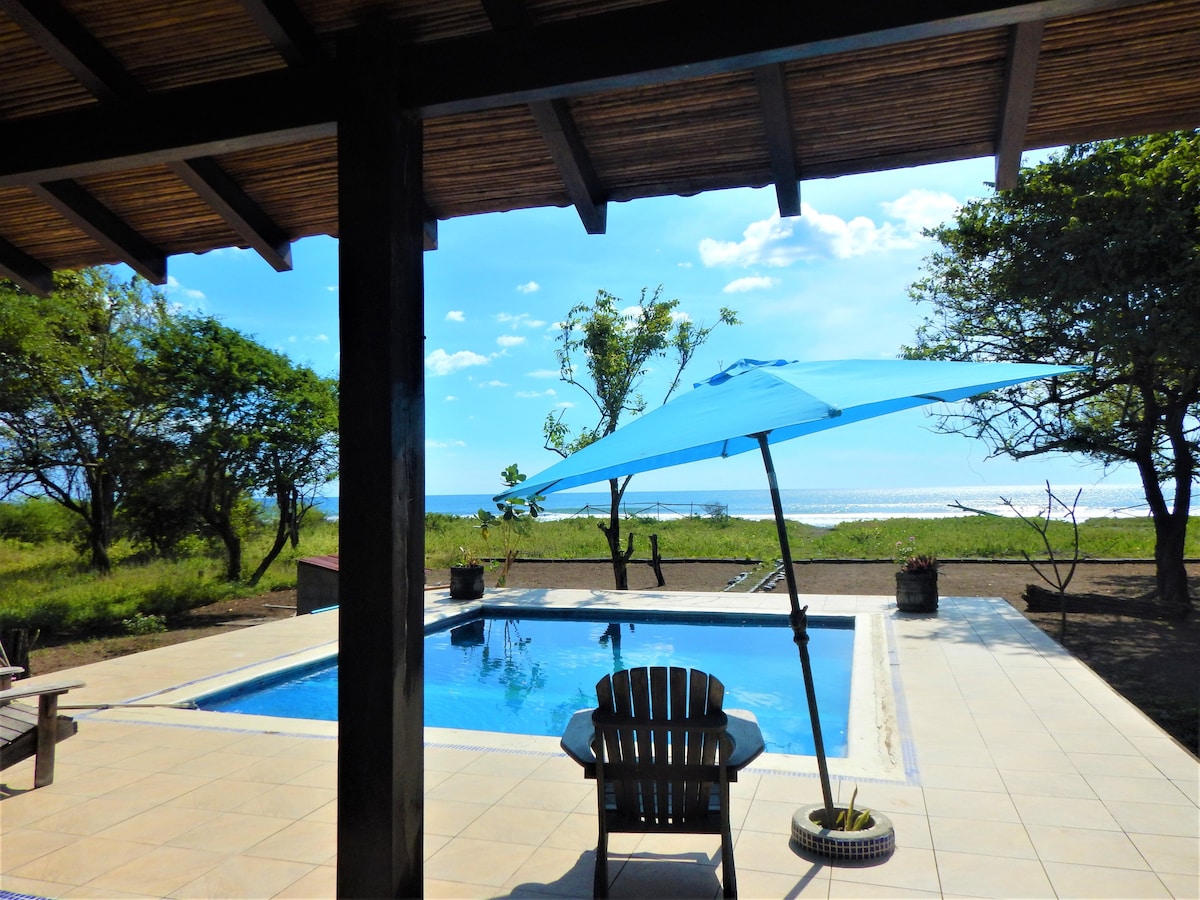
x: 1153, y: 661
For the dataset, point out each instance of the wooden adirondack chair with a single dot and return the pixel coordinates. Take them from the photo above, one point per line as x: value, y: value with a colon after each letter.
x: 25, y: 731
x: 662, y: 752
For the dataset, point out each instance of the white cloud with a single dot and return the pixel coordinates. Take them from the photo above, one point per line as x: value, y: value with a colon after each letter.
x: 493, y: 384
x: 831, y: 235
x: 519, y: 320
x: 235, y: 252
x: 439, y: 362
x: 510, y: 340
x: 751, y: 283
x: 456, y: 315
x: 761, y: 244
x: 174, y: 287
x: 332, y: 288
x: 815, y: 234
x: 543, y: 373
x: 443, y: 445
x: 564, y: 404
x: 529, y: 395
x: 450, y: 398
x: 529, y: 287
x: 313, y: 339
x: 920, y: 209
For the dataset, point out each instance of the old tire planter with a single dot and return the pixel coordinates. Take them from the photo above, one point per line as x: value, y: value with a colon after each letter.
x: 916, y: 591
x: 466, y: 582
x: 874, y: 842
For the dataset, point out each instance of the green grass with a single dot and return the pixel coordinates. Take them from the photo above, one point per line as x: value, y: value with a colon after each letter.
x: 970, y: 537
x: 44, y: 585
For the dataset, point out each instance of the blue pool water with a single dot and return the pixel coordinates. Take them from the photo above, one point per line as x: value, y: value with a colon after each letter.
x: 527, y: 675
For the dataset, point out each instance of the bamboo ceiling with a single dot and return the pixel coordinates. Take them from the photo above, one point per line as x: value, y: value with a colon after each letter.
x: 138, y: 129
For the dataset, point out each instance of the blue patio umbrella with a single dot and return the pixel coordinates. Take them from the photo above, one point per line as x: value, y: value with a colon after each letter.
x: 753, y: 404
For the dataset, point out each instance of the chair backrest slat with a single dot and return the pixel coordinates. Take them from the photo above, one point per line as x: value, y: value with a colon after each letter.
x: 660, y: 740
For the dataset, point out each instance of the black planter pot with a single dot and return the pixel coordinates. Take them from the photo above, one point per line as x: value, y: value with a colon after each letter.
x: 466, y: 582
x: 917, y: 591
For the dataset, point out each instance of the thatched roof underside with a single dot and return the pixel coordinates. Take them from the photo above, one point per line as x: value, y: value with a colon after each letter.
x: 138, y: 129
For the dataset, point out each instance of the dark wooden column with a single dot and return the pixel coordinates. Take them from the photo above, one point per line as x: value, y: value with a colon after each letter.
x: 382, y: 505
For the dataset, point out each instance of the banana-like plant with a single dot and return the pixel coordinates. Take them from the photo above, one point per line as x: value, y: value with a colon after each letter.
x: 848, y: 820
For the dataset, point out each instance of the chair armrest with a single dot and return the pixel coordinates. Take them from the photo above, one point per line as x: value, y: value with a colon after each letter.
x: 743, y: 728
x: 39, y: 690
x: 577, y: 741
x: 747, y: 738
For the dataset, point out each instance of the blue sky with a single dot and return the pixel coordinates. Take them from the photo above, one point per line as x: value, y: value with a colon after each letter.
x: 829, y: 284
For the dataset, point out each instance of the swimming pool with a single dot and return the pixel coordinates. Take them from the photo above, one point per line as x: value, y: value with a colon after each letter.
x: 527, y: 674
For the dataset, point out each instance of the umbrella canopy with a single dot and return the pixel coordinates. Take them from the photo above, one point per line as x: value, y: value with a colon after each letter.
x: 753, y: 404
x: 723, y: 415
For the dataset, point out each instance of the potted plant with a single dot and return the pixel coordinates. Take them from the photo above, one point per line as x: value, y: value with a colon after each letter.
x: 466, y: 576
x: 916, y: 580
x: 856, y: 834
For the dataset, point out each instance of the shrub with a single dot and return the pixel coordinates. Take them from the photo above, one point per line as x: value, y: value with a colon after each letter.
x: 141, y: 624
x: 35, y: 521
x: 717, y: 513
x: 436, y: 521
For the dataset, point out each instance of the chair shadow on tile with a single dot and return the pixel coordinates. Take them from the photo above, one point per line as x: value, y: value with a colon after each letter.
x: 634, y: 875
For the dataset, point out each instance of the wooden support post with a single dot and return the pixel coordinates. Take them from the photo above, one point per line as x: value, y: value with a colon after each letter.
x: 47, y: 738
x: 382, y: 540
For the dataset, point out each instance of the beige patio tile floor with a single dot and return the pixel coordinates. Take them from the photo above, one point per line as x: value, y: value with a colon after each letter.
x: 1018, y: 773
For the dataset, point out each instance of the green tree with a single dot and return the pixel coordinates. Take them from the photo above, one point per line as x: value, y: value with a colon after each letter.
x: 606, y: 352
x: 244, y: 420
x: 300, y: 455
x: 68, y: 428
x: 1094, y: 259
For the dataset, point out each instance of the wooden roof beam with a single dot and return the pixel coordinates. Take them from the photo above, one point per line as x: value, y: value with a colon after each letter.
x: 1020, y: 75
x: 561, y: 134
x: 506, y: 15
x: 777, y: 120
x: 833, y: 169
x: 559, y: 131
x: 25, y: 271
x: 286, y: 28
x: 675, y: 40
x: 77, y: 51
x: 97, y: 221
x: 221, y: 193
x: 557, y: 60
x: 71, y: 45
x: 270, y: 110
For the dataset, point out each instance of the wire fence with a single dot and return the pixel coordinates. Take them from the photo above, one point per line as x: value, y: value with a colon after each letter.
x: 653, y: 510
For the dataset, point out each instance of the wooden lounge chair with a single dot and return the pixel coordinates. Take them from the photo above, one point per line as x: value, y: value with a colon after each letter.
x: 25, y: 731
x: 662, y: 760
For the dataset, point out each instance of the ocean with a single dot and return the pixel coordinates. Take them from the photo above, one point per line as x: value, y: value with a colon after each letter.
x: 815, y: 506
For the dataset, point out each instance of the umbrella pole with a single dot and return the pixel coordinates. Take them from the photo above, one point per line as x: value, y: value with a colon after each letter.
x: 799, y: 622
